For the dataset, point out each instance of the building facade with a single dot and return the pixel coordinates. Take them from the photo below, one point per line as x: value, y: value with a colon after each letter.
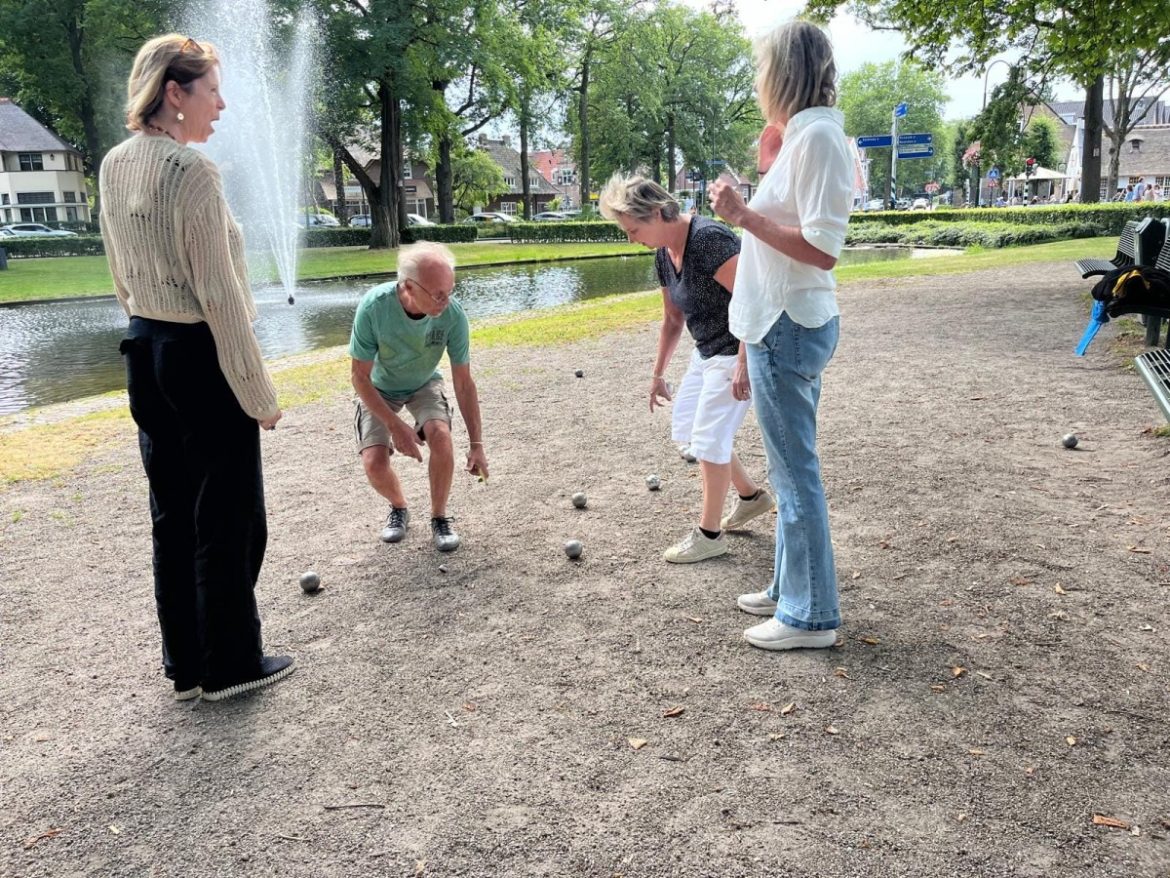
x: 42, y: 178
x: 541, y: 190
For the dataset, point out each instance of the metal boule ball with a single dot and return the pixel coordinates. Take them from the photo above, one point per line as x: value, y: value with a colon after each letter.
x: 579, y: 500
x: 310, y: 582
x: 1069, y: 441
x: 652, y: 482
x: 573, y: 549
x: 579, y: 373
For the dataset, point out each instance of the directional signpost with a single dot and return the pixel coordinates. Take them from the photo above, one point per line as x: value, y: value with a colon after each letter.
x: 917, y: 145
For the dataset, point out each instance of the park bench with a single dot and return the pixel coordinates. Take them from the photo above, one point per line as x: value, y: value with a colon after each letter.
x: 1139, y: 242
x: 1154, y: 319
x: 1154, y: 367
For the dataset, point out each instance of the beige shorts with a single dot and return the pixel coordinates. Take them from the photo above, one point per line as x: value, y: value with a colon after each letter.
x: 428, y: 403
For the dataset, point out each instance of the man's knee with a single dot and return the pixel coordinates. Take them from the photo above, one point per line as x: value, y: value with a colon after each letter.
x: 438, y: 436
x: 376, y: 460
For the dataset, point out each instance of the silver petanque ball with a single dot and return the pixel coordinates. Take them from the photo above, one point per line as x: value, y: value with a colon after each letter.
x: 573, y: 549
x: 580, y: 373
x: 580, y: 500
x: 652, y: 482
x: 310, y: 582
x: 1069, y: 441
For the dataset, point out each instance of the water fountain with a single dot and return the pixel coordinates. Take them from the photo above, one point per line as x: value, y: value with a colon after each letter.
x: 259, y: 143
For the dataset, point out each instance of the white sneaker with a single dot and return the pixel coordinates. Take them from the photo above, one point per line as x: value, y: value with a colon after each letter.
x: 745, y: 510
x: 774, y: 634
x: 757, y: 603
x: 684, y: 451
x: 696, y: 546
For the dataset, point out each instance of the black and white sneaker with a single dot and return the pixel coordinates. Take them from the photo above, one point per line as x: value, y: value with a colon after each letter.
x: 272, y: 669
x: 446, y: 540
x: 396, y: 524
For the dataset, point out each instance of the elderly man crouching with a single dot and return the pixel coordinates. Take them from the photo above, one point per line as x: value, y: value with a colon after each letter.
x: 399, y: 334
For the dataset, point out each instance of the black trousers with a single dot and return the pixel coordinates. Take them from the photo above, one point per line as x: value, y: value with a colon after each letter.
x: 201, y: 453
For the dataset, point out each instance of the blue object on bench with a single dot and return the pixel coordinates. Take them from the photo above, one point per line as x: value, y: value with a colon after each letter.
x: 1096, y: 320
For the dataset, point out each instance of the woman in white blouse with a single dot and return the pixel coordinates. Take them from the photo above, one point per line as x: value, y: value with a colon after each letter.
x: 784, y: 308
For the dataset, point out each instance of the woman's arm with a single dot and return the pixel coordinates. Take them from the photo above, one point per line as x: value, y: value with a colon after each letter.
x: 668, y: 336
x: 789, y: 240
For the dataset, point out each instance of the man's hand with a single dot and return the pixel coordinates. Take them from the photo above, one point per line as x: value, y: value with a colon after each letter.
x: 477, y: 463
x: 771, y: 139
x: 404, y: 439
x: 727, y: 202
x: 270, y: 423
x: 659, y: 393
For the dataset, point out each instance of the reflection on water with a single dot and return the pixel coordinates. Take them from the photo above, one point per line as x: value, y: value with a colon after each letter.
x: 58, y: 351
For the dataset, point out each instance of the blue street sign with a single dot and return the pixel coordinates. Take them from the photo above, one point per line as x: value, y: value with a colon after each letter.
x: 910, y: 139
x: 915, y: 152
x: 901, y: 110
x: 993, y: 174
x: 874, y: 141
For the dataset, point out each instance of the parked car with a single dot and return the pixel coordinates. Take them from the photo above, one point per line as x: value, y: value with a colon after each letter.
x: 317, y: 220
x: 874, y: 204
x: 550, y: 216
x: 361, y: 220
x: 37, y: 230
x: 417, y: 219
x: 920, y: 204
x: 489, y: 216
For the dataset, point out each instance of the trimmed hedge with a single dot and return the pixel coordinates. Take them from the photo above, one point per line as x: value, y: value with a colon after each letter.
x: 1110, y: 217
x: 589, y: 232
x: 32, y: 247
x: 360, y: 237
x: 951, y: 234
x: 450, y: 234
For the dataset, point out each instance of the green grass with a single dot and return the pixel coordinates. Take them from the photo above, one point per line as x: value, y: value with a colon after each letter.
x: 29, y: 280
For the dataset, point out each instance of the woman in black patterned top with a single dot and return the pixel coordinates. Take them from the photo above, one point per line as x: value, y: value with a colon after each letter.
x: 696, y: 260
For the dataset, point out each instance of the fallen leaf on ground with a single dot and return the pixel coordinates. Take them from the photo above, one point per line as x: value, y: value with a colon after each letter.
x: 831, y: 730
x: 856, y: 574
x: 776, y: 736
x: 841, y: 672
x: 638, y: 743
x: 960, y: 817
x: 938, y: 687
x: 420, y: 866
x: 471, y: 707
x: 1030, y: 770
x: 985, y: 675
x: 975, y: 751
x: 1021, y: 580
x: 695, y: 619
x: 1103, y: 820
x: 1056, y: 588
x: 1142, y: 666
x: 1146, y: 628
x: 958, y: 671
x: 761, y: 706
x: 1138, y: 550
x: 872, y: 641
x: 1071, y: 741
x: 114, y: 829
x: 788, y: 708
x: 884, y: 544
x: 673, y: 711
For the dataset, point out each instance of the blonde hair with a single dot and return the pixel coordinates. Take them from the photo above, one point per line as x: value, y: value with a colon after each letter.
x: 636, y: 197
x: 795, y: 70
x: 412, y: 256
x: 171, y: 57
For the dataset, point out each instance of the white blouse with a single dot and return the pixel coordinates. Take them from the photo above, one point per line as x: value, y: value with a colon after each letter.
x: 810, y: 185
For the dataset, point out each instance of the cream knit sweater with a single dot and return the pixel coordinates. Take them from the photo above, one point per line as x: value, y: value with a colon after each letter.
x: 176, y: 254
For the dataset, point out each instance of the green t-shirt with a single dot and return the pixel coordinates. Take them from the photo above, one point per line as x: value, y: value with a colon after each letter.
x: 406, y: 351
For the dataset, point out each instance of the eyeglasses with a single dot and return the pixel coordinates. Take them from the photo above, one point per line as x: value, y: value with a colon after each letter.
x: 438, y: 300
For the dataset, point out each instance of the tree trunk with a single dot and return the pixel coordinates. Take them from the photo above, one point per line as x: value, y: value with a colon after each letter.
x: 85, y: 107
x: 386, y: 207
x: 1091, y: 148
x: 583, y: 119
x: 671, y: 169
x: 525, y: 180
x: 340, y: 204
x: 445, y: 181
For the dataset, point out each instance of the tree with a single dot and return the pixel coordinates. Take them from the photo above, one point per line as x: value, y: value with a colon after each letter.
x: 1073, y: 38
x: 867, y: 97
x: 67, y: 61
x: 477, y: 179
x: 1137, y: 81
x: 1042, y: 141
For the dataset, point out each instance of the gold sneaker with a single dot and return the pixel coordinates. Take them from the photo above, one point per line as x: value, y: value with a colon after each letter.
x: 696, y: 546
x: 745, y: 510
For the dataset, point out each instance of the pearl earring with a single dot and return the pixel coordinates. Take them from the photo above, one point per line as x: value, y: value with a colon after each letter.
x: 180, y: 117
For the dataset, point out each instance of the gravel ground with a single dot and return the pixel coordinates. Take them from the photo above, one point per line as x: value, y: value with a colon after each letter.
x: 1000, y: 680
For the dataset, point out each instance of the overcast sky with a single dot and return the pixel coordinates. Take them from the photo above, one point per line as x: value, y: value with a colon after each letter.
x: 855, y: 45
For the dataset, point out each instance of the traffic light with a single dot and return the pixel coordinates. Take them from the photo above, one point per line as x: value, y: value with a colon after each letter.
x: 1029, y: 166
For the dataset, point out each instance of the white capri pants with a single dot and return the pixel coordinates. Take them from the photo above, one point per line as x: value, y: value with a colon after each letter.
x: 706, y: 416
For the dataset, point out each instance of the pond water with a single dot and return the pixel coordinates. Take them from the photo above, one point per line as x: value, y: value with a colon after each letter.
x: 58, y: 351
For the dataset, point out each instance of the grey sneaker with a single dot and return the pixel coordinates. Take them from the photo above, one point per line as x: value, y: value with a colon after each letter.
x: 696, y: 546
x: 745, y: 510
x: 684, y: 451
x: 774, y: 634
x: 446, y: 540
x: 757, y: 603
x: 396, y: 524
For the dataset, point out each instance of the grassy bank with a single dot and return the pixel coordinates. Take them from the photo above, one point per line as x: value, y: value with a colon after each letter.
x: 30, y: 280
x: 41, y: 451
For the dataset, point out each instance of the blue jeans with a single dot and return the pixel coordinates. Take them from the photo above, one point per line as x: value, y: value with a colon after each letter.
x: 785, y: 370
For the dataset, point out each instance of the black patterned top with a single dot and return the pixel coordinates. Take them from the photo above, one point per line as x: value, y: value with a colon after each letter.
x: 694, y: 290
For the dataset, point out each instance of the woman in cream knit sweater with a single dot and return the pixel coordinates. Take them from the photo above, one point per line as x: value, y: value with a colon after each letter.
x: 197, y: 384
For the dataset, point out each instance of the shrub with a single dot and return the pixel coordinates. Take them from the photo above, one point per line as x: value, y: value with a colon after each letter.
x: 31, y: 247
x: 590, y: 232
x: 936, y: 233
x: 450, y: 234
x: 1110, y: 217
